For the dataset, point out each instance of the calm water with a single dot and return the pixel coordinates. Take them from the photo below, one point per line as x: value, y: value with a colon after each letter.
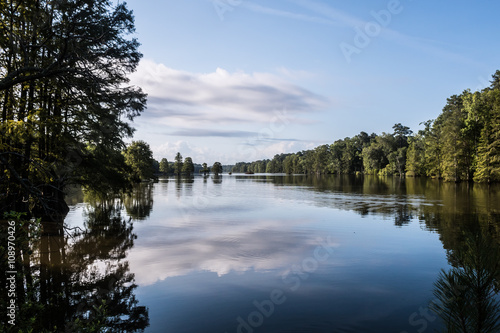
x: 260, y: 253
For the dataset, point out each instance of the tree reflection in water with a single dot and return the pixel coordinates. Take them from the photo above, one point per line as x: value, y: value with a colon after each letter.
x: 139, y: 203
x: 77, y: 280
x: 466, y: 295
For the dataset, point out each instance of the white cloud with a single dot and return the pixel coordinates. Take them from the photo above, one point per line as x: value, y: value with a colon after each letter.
x: 182, y: 99
x: 271, y: 11
x: 221, y: 116
x: 260, y: 245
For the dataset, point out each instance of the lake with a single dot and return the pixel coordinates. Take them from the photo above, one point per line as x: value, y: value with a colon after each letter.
x: 276, y: 253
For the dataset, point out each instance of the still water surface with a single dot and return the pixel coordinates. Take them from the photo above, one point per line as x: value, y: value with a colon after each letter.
x: 261, y: 253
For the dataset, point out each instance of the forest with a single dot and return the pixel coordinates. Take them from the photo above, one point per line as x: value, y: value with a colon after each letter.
x: 461, y: 144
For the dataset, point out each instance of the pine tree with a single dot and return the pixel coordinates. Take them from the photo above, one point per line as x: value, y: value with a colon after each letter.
x: 178, y: 164
x: 453, y: 140
x: 488, y: 156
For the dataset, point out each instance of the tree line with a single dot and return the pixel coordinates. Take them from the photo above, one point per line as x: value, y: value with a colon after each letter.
x: 139, y: 157
x: 461, y: 144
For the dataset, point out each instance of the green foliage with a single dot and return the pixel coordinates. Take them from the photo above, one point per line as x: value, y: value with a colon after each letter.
x: 188, y: 166
x: 401, y: 134
x: 466, y: 295
x: 139, y: 157
x: 292, y: 164
x: 178, y: 164
x: 273, y: 166
x: 114, y: 173
x: 415, y: 157
x: 204, y: 168
x: 65, y: 100
x: 259, y: 166
x: 454, y: 141
x: 217, y: 168
x: 374, y: 156
x: 164, y: 166
x: 488, y: 161
x: 81, y: 297
x: 156, y: 167
x: 321, y: 159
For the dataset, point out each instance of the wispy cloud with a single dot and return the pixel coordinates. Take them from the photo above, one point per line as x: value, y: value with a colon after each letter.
x: 282, y: 13
x: 331, y: 13
x: 327, y: 14
x: 196, y: 132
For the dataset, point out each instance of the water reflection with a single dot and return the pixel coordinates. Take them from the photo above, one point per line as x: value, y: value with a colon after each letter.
x: 217, y: 179
x: 230, y: 239
x: 139, y: 203
x: 184, y: 185
x: 77, y: 280
x: 218, y: 229
x: 391, y: 197
x: 466, y: 295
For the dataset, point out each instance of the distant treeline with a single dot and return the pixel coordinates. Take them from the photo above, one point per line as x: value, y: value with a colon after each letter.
x: 461, y: 144
x: 139, y: 158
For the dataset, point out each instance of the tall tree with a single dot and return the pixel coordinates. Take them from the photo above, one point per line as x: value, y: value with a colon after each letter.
x: 64, y: 98
x: 178, y: 164
x: 188, y: 167
x: 217, y: 168
x: 337, y: 151
x: 488, y: 160
x: 374, y: 158
x: 164, y: 167
x: 401, y: 133
x: 140, y: 158
x: 415, y: 156
x: 434, y: 148
x: 204, y: 168
x: 454, y: 142
x: 321, y: 159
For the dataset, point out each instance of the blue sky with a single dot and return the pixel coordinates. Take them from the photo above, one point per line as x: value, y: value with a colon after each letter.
x: 241, y: 80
